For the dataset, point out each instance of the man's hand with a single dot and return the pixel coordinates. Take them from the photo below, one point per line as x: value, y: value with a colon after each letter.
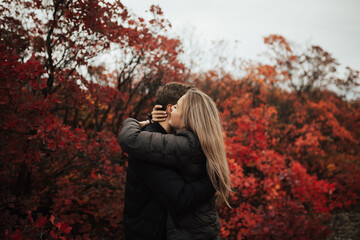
x: 157, y: 114
x: 144, y: 123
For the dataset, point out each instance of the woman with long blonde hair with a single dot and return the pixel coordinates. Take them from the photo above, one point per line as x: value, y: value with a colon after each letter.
x: 197, y: 149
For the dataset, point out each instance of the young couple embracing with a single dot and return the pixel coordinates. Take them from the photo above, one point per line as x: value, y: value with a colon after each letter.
x: 177, y: 169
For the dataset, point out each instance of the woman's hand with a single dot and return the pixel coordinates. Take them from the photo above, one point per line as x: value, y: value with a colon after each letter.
x: 157, y: 114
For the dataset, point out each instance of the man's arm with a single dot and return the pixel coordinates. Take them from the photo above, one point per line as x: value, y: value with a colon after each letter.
x: 165, y: 149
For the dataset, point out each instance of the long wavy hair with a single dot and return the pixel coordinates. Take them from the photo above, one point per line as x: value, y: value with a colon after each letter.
x: 202, y: 117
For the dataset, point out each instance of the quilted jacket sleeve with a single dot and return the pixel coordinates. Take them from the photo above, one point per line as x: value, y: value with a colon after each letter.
x: 165, y: 149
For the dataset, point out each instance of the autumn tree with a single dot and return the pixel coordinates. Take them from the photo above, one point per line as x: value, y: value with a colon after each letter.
x: 61, y: 166
x: 291, y: 144
x: 310, y: 70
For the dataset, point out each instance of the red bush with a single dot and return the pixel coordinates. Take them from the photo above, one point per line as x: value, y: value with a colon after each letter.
x: 293, y: 155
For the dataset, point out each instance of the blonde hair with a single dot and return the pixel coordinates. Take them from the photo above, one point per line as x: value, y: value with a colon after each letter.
x: 202, y: 117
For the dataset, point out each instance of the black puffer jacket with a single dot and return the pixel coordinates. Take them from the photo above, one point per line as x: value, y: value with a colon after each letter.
x: 147, y: 201
x: 183, y: 152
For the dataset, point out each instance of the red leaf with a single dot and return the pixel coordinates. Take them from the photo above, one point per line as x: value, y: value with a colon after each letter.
x: 58, y: 225
x: 30, y: 217
x: 93, y: 175
x: 53, y: 234
x: 67, y: 230
x: 40, y: 222
x: 52, y: 218
x: 65, y: 227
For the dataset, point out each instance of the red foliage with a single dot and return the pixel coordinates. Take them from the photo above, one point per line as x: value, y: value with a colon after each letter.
x: 293, y: 156
x: 60, y: 157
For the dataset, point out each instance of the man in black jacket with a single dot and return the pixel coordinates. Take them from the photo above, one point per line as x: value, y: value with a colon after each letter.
x: 152, y: 189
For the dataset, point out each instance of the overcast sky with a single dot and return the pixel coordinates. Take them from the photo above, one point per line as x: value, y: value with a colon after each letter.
x: 332, y: 24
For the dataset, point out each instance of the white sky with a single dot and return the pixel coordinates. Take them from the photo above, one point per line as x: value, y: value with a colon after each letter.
x: 334, y: 25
